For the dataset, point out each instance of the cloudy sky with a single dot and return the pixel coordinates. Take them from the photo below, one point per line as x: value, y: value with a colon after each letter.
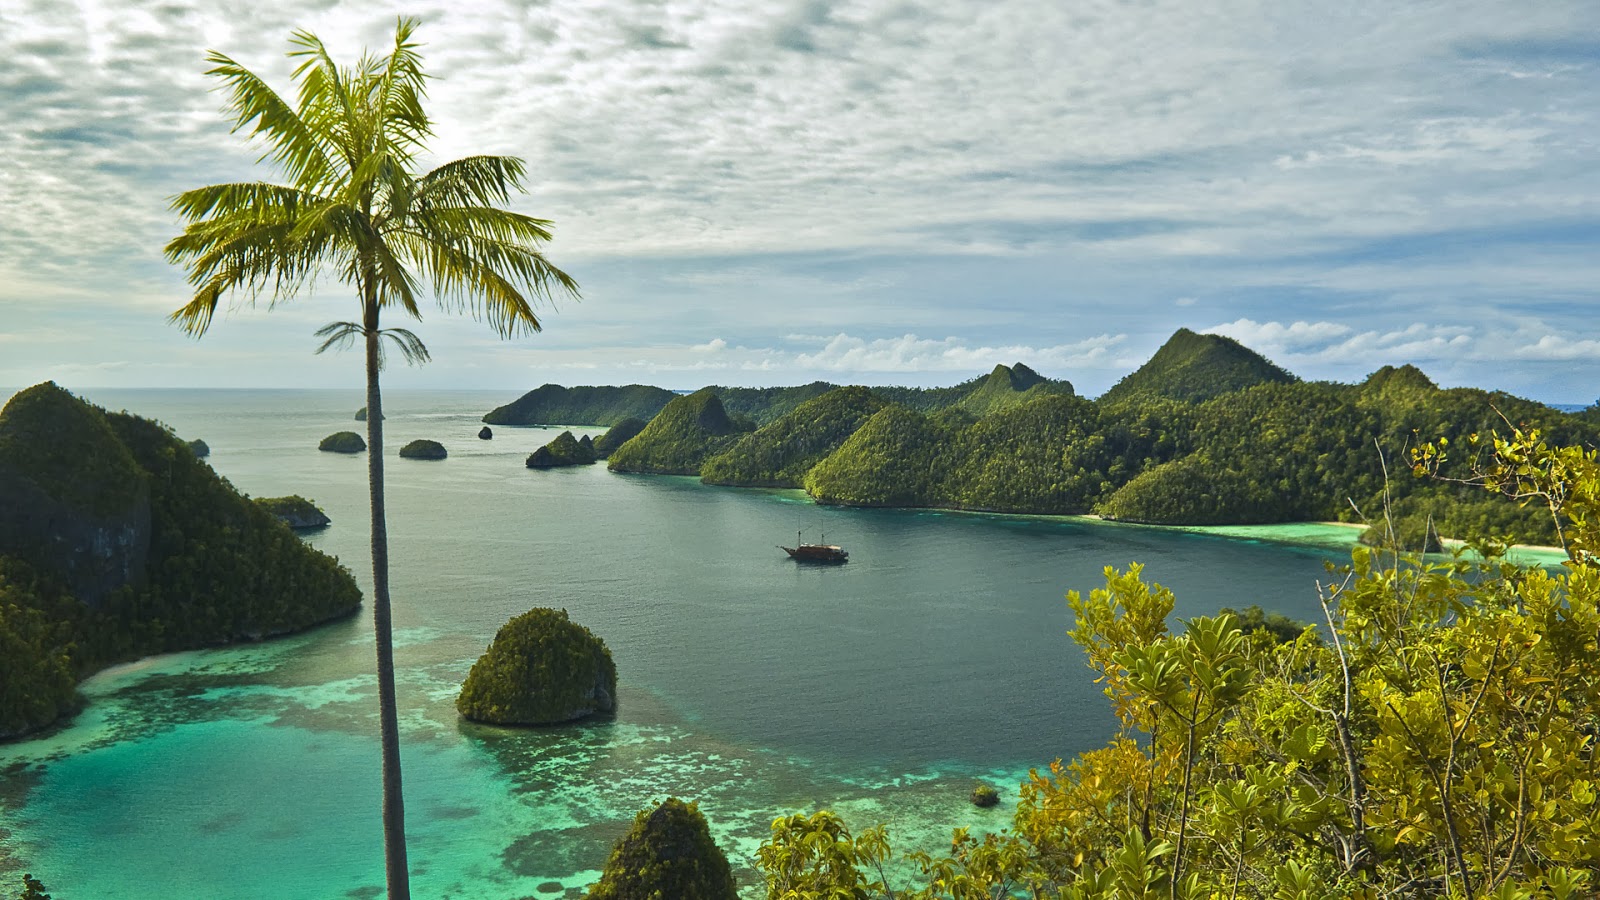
x: 876, y: 191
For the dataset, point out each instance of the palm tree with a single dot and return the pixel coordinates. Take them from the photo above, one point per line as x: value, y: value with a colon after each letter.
x: 353, y: 206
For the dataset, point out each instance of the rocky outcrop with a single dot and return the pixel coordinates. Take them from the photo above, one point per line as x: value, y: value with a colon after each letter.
x: 200, y: 448
x: 565, y: 450
x: 342, y: 442
x: 541, y: 669
x: 296, y: 511
x: 485, y: 433
x: 423, y: 449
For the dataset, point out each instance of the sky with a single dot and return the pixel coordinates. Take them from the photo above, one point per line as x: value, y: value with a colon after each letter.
x: 878, y: 192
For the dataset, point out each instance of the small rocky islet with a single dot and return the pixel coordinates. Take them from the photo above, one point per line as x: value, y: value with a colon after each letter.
x: 423, y: 448
x: 541, y: 669
x: 342, y: 442
x: 565, y: 450
x: 296, y: 511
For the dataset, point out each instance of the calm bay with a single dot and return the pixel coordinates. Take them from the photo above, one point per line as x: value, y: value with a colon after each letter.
x: 881, y: 689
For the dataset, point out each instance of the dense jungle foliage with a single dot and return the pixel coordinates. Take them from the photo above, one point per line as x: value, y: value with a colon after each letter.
x: 565, y: 450
x: 678, y: 441
x: 541, y: 668
x: 668, y: 853
x: 65, y: 447
x: 1435, y: 736
x: 779, y: 454
x: 552, y: 404
x: 219, y: 567
x: 616, y: 436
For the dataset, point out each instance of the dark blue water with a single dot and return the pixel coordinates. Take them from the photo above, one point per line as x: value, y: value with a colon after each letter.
x: 881, y: 688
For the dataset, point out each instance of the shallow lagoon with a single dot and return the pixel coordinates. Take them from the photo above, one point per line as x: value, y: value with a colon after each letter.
x: 881, y: 689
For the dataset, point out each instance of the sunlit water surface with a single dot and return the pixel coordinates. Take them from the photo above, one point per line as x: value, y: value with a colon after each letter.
x: 881, y: 689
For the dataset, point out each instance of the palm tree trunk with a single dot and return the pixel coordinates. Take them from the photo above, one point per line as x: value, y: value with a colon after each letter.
x: 394, y: 815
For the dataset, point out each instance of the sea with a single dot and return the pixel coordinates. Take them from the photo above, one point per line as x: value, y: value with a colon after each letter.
x: 883, y: 689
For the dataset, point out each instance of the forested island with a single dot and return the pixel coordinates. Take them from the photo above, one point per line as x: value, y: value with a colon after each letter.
x: 1207, y: 432
x: 117, y: 541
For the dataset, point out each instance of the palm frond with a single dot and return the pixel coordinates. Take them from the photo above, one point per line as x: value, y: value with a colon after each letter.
x: 472, y: 181
x: 401, y: 89
x: 343, y: 334
x: 338, y: 334
x: 293, y: 142
x: 411, y: 346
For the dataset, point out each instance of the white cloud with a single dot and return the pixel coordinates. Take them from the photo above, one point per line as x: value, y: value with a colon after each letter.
x: 1276, y: 335
x: 909, y: 353
x: 1558, y: 347
x: 1023, y: 172
x: 1301, y: 343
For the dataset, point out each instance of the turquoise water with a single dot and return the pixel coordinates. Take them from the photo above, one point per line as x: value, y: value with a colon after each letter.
x: 881, y: 689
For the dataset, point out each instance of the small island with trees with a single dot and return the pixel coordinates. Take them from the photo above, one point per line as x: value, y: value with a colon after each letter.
x: 342, y: 442
x: 541, y: 669
x: 422, y: 448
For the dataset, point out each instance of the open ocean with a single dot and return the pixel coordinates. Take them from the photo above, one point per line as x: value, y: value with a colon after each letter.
x: 881, y: 689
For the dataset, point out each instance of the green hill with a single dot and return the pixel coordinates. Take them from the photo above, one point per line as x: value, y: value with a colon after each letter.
x: 681, y: 437
x: 553, y: 404
x: 565, y: 450
x: 894, y: 459
x: 1403, y: 384
x: 780, y: 454
x: 1194, y: 367
x: 616, y: 436
x: 764, y: 406
x: 1009, y: 386
x: 127, y: 544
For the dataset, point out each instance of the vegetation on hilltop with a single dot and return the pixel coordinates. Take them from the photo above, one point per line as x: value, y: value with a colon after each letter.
x: 1194, y: 367
x: 66, y: 448
x: 668, y: 853
x: 552, y: 404
x: 542, y: 668
x: 687, y: 432
x: 616, y: 436
x: 763, y: 406
x: 779, y: 454
x: 891, y: 460
x: 214, y: 568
